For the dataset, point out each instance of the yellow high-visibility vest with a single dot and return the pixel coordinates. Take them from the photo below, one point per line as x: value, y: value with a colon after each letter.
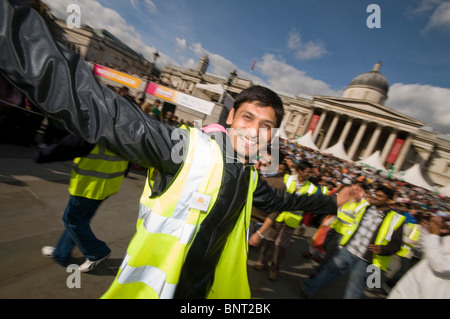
x: 167, y: 226
x: 289, y: 218
x: 346, y: 215
x: 98, y: 174
x: 390, y: 223
x: 413, y: 234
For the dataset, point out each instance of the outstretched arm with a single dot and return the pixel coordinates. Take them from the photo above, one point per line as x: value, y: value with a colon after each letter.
x: 61, y: 84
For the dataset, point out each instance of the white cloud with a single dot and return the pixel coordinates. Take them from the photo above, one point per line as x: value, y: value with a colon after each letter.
x: 440, y: 14
x: 440, y: 19
x: 148, y: 4
x: 305, y: 51
x: 426, y: 103
x: 181, y: 43
x: 284, y: 77
x: 99, y: 17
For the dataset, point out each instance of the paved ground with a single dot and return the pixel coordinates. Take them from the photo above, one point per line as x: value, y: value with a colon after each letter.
x: 32, y: 200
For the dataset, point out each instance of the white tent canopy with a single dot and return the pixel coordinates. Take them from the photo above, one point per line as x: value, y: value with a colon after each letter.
x: 338, y: 150
x: 373, y: 161
x: 306, y: 140
x: 445, y: 190
x: 414, y: 176
x: 282, y: 133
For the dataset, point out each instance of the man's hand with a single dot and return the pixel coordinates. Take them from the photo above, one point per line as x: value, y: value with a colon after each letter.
x: 346, y: 194
x: 254, y: 240
x: 376, y: 249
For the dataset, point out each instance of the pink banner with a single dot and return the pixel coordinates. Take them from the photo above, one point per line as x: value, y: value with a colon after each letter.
x: 395, y: 150
x: 313, y: 124
x: 117, y: 76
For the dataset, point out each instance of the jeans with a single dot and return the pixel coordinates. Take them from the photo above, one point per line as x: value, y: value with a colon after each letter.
x: 341, y: 262
x: 77, y: 216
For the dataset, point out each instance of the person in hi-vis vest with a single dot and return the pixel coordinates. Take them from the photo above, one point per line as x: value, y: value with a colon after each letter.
x: 280, y: 231
x: 368, y: 246
x: 96, y: 174
x: 192, y: 228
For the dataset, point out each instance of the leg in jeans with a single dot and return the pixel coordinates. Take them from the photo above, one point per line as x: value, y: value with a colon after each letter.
x: 77, y: 216
x: 332, y: 270
x: 357, y: 280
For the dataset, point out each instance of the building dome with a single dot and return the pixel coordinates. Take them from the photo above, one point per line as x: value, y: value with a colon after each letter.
x: 372, y: 86
x: 203, y: 64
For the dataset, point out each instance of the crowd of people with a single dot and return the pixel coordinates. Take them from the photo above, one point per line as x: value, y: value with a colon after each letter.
x: 327, y: 173
x: 349, y: 242
x: 191, y: 239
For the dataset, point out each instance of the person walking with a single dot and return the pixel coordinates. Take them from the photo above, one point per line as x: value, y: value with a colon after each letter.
x: 373, y: 239
x: 430, y: 277
x: 96, y: 174
x: 279, y: 237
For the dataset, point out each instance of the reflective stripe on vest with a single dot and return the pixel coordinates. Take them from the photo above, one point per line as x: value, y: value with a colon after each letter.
x: 324, y: 190
x: 346, y: 215
x: 391, y: 222
x: 413, y: 234
x: 98, y: 174
x: 167, y: 226
x: 290, y: 183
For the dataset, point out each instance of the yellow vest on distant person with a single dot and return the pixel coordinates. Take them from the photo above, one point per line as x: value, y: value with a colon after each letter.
x: 347, y: 214
x: 167, y: 226
x: 98, y: 174
x: 413, y: 234
x: 291, y: 219
x: 390, y: 223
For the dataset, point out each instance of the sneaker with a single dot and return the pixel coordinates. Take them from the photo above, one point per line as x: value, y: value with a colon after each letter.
x: 302, y: 290
x: 273, y: 275
x: 259, y: 267
x: 88, y: 265
x: 47, y: 251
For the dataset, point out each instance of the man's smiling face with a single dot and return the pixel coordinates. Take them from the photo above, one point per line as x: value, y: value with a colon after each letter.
x: 250, y: 126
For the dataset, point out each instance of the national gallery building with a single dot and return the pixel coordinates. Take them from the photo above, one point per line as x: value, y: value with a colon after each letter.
x: 355, y: 125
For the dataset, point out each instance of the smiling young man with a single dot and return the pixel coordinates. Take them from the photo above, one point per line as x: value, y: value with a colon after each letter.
x: 191, y: 237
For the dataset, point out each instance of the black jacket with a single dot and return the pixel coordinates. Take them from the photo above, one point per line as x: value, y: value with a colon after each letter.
x: 60, y: 83
x: 68, y: 148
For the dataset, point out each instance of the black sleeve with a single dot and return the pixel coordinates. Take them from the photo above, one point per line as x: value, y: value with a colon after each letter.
x: 61, y: 84
x: 270, y: 199
x: 68, y: 148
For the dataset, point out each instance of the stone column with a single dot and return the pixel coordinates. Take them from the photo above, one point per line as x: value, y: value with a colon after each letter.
x: 346, y: 129
x: 403, y: 153
x: 330, y: 132
x: 388, y: 146
x: 301, y: 115
x: 357, y: 140
x: 373, y: 141
x: 323, y: 116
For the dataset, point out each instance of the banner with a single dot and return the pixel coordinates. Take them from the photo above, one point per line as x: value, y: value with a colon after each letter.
x: 182, y: 99
x: 117, y: 76
x: 313, y: 124
x: 396, y: 148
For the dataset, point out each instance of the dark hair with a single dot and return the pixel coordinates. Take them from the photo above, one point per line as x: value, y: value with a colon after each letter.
x: 389, y: 192
x: 303, y: 164
x: 264, y: 98
x: 362, y: 185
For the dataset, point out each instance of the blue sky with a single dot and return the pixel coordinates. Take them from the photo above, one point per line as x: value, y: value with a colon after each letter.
x: 301, y: 46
